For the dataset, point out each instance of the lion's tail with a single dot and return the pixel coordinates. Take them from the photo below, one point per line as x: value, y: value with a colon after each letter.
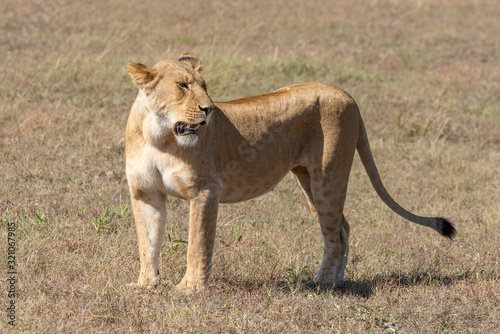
x: 443, y: 226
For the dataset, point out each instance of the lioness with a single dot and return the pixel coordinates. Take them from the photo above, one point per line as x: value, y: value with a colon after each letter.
x: 180, y: 143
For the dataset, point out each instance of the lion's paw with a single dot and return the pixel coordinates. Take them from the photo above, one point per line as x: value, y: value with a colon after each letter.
x: 189, y: 286
x: 139, y: 285
x: 132, y: 286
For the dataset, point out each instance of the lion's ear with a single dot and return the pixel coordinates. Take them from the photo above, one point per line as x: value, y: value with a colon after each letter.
x: 191, y: 60
x: 142, y: 75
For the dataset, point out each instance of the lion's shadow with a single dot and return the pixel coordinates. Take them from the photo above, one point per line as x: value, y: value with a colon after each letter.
x: 366, y: 288
x: 361, y: 288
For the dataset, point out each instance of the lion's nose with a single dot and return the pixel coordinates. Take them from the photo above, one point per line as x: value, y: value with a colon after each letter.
x: 207, y: 109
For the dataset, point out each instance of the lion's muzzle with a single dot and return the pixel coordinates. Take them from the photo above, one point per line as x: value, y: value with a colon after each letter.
x: 185, y: 129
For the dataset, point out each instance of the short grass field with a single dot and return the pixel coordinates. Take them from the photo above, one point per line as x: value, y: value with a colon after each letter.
x: 426, y: 75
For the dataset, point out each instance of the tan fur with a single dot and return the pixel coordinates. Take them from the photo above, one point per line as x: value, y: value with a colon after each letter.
x: 241, y: 150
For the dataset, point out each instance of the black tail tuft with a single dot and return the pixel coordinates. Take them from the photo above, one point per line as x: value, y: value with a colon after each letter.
x: 446, y: 228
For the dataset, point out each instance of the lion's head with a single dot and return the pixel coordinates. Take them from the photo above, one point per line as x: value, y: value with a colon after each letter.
x: 175, y: 93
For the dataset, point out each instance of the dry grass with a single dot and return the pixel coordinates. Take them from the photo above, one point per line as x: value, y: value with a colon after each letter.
x: 427, y: 78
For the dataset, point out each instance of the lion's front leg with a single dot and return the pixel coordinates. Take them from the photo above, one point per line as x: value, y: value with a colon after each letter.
x: 150, y: 214
x: 202, y: 226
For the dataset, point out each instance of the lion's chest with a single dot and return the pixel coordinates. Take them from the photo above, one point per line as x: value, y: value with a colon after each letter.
x: 175, y: 180
x: 153, y: 171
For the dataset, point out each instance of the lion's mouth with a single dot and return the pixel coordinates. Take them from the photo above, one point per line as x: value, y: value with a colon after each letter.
x: 184, y: 129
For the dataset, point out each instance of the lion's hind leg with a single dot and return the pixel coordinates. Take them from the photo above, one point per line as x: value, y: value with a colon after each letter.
x: 344, y: 239
x: 326, y: 202
x: 304, y: 179
x: 335, y: 230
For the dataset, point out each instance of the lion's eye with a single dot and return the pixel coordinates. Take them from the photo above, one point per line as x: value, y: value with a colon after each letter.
x: 183, y: 85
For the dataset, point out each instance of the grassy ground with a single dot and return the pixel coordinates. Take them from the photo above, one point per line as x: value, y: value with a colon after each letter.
x: 426, y: 75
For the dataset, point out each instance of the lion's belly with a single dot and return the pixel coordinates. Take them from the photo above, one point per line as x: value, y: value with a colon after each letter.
x: 245, y: 186
x: 255, y: 166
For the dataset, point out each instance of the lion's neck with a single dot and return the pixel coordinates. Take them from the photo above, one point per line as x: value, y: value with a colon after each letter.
x: 156, y: 130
